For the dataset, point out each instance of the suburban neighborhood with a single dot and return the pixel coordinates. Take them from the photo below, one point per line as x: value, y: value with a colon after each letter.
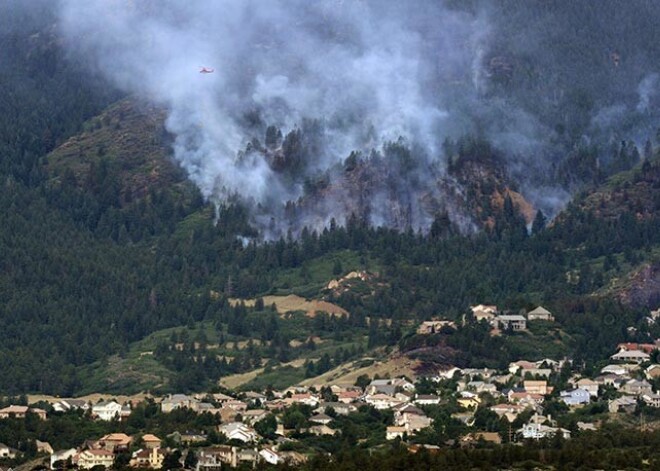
x: 528, y: 401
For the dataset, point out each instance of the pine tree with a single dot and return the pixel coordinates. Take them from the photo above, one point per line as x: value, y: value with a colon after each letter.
x: 539, y: 222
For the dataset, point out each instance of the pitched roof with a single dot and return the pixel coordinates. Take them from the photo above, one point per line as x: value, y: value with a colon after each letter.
x: 539, y: 310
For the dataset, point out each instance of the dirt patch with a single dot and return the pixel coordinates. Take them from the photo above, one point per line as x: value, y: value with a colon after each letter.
x: 293, y: 303
x: 346, y: 374
x: 235, y: 381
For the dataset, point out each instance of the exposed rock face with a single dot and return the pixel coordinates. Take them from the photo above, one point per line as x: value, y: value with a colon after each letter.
x: 642, y: 288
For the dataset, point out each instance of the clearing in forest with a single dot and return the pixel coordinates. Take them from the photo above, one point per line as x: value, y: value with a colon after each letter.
x: 293, y: 303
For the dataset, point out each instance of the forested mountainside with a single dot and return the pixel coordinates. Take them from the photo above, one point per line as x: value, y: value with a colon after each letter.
x: 111, y: 259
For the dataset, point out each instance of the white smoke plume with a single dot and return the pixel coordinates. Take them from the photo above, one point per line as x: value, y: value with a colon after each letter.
x: 370, y: 71
x: 357, y: 75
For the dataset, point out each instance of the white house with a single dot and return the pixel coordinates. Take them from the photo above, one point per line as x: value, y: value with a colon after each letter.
x: 107, y: 410
x: 514, y: 322
x: 483, y: 312
x: 636, y: 356
x: 7, y: 452
x: 540, y: 314
x: 588, y: 385
x: 381, y: 401
x: 539, y: 431
x: 177, y: 401
x: 270, y: 456
x: 70, y: 404
x: 238, y: 431
x: 62, y: 455
x: 427, y: 399
x: 652, y: 400
x: 394, y: 431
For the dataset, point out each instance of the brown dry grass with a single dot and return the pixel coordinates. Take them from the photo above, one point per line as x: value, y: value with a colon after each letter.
x: 346, y: 374
x: 292, y: 303
x: 238, y: 380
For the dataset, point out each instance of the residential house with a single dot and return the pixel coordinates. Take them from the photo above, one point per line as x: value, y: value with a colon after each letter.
x: 71, y: 404
x: 115, y: 442
x: 484, y: 312
x: 643, y: 347
x: 404, y: 396
x: 446, y: 373
x: 215, y: 458
x: 540, y: 314
x: 620, y: 370
x: 395, y: 431
x: 611, y: 380
x: 7, y: 452
x: 321, y: 429
x: 151, y: 441
x: 219, y: 397
x: 653, y: 372
x: 255, y: 398
x: 622, y: 404
x: 177, y: 401
x: 537, y: 387
x: 148, y: 458
x: 305, y: 398
x: 427, y: 399
x: 230, y: 415
x: 207, y: 407
x: 381, y: 386
x: 575, y: 397
x: 411, y: 417
x: 522, y: 396
x: 539, y: 418
x: 481, y: 387
x: 62, y: 455
x: 321, y: 419
x: 586, y: 426
x: 635, y: 356
x: 652, y: 400
x: 235, y: 405
x: 381, y: 401
x: 191, y: 437
x: 339, y: 408
x: 106, y: 410
x: 513, y: 322
x: 434, y: 326
x: 635, y: 387
x: 539, y: 431
x: 507, y: 409
x: 475, y: 437
x: 485, y: 373
x: 89, y: 458
x: 248, y: 456
x: 125, y: 411
x: 520, y: 365
x: 588, y: 385
x: 270, y: 455
x: 252, y: 416
x: 238, y: 431
x: 44, y: 447
x: 19, y: 412
x: 469, y: 402
x: 349, y: 396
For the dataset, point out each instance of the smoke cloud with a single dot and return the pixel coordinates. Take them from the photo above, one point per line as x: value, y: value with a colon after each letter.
x: 353, y: 76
